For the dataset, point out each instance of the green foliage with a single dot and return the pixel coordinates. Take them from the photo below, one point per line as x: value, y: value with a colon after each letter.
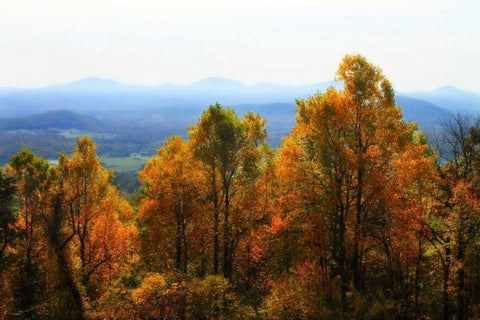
x: 28, y: 289
x: 212, y: 297
x: 209, y: 297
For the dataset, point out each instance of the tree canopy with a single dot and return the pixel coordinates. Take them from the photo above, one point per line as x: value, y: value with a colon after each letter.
x: 356, y: 216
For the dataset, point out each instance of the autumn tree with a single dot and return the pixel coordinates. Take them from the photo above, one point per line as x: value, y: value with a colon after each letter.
x: 229, y: 149
x: 32, y: 176
x: 68, y: 213
x: 453, y: 228
x: 252, y: 211
x: 336, y: 169
x: 94, y: 210
x: 8, y: 235
x: 172, y: 184
x: 7, y: 215
x: 45, y: 283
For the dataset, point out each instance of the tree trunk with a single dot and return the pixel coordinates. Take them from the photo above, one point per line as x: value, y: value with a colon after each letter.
x: 417, y: 279
x: 226, y: 235
x: 216, y: 213
x: 178, y: 245
x: 446, y: 278
x: 72, y: 304
x: 185, y: 247
x: 461, y: 282
x: 69, y: 297
x: 357, y: 256
x: 216, y: 245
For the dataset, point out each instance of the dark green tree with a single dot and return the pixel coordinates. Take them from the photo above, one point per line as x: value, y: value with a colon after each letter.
x: 8, y: 215
x: 228, y: 147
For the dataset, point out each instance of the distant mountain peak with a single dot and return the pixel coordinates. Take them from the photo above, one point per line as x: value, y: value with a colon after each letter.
x: 218, y: 81
x: 452, y: 90
x: 94, y: 81
x: 54, y: 119
x: 447, y: 89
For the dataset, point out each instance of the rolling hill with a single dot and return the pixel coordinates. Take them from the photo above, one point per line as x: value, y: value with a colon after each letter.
x: 428, y: 115
x: 60, y: 119
x: 451, y: 98
x: 109, y: 98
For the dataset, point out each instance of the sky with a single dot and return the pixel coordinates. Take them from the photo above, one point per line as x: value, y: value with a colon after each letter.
x: 420, y: 45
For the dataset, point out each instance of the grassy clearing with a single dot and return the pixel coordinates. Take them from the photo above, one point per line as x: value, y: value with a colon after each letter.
x: 134, y: 162
x: 74, y: 133
x: 24, y: 131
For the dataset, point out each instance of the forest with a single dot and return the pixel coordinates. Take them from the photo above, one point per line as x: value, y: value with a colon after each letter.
x: 357, y: 215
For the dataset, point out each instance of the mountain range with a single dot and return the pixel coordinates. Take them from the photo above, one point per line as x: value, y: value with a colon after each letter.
x: 110, y: 98
x: 173, y: 107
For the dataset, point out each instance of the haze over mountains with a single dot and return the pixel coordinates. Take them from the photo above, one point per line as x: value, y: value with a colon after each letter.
x: 110, y: 99
x: 99, y: 97
x: 450, y: 98
x: 177, y: 106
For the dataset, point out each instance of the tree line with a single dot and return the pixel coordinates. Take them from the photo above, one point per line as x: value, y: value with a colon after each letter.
x: 356, y: 216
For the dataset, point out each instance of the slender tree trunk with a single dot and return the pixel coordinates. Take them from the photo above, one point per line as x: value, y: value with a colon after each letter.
x: 475, y: 286
x: 342, y: 262
x: 185, y: 247
x: 178, y: 245
x: 461, y: 315
x: 417, y: 279
x: 216, y: 213
x: 216, y: 245
x: 226, y: 235
x: 357, y: 256
x: 72, y: 305
x: 69, y: 295
x: 446, y: 279
x: 82, y: 259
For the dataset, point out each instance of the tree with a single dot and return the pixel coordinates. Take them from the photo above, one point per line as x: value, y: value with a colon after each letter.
x: 8, y: 215
x: 172, y: 184
x: 32, y: 176
x: 228, y: 148
x: 8, y: 235
x: 94, y: 208
x: 336, y: 170
x: 454, y: 226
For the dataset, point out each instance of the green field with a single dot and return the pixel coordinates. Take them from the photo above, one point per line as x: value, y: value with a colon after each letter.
x: 74, y: 133
x: 134, y: 162
x: 24, y: 131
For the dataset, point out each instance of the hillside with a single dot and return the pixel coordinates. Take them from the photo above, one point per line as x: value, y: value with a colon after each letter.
x: 451, y: 98
x: 54, y: 131
x: 109, y: 98
x: 61, y: 119
x: 428, y: 115
x: 178, y: 106
x: 50, y: 133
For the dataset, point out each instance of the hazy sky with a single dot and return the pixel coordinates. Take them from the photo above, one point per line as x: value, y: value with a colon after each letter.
x: 418, y: 44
